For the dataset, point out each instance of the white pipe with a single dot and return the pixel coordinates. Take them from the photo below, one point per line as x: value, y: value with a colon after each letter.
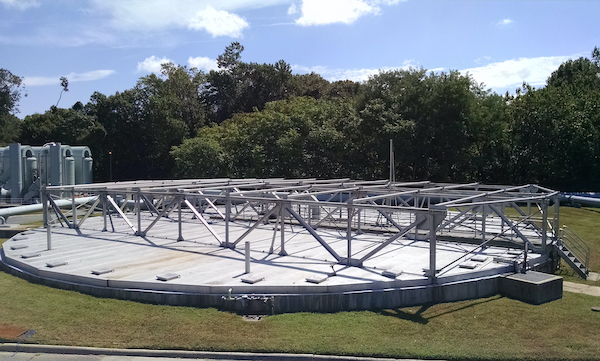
x: 583, y: 200
x: 13, y: 211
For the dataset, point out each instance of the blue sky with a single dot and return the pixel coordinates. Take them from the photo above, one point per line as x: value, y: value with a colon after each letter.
x: 107, y: 45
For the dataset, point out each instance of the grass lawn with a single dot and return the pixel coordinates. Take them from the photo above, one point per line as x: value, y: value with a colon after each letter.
x: 495, y: 328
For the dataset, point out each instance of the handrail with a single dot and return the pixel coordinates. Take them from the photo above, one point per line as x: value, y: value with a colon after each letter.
x: 575, y: 245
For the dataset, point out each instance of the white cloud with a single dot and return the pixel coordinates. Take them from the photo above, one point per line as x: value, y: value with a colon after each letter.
x: 215, y: 16
x: 510, y: 74
x: 218, y: 23
x: 203, y: 63
x: 292, y: 9
x: 357, y: 75
x: 72, y: 77
x: 20, y: 4
x: 152, y: 64
x: 322, y: 12
x: 483, y: 59
x: 504, y: 22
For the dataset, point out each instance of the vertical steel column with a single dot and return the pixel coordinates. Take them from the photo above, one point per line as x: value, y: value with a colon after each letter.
x: 483, y: 219
x: 282, y: 251
x: 180, y: 238
x: 432, y: 247
x: 391, y: 163
x: 46, y: 204
x: 104, y: 210
x: 556, y: 216
x: 358, y: 227
x: 138, y: 209
x: 544, y: 224
x: 349, y: 230
x: 74, y: 209
x: 247, y: 254
x: 227, y: 216
x: 49, y: 236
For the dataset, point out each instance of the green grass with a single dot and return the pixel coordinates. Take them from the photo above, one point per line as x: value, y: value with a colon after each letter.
x: 585, y: 222
x: 495, y: 328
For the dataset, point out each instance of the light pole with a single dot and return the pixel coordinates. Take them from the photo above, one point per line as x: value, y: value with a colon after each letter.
x: 43, y: 185
x: 110, y: 164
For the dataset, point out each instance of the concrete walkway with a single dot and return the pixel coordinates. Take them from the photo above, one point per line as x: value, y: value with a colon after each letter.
x: 581, y: 288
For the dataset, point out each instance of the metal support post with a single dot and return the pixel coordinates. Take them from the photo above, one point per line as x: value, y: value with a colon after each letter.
x: 544, y: 224
x: 358, y: 227
x: 180, y: 225
x: 483, y: 219
x: 49, y: 236
x: 227, y: 216
x: 247, y: 253
x: 45, y: 205
x: 349, y: 230
x: 282, y: 251
x: 138, y: 209
x: 432, y: 247
x: 47, y: 223
x: 556, y: 216
x: 74, y: 209
x: 104, y: 210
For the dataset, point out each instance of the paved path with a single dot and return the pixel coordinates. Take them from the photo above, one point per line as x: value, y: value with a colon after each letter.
x: 581, y: 288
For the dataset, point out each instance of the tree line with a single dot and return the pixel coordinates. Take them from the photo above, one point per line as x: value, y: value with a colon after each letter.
x: 260, y: 120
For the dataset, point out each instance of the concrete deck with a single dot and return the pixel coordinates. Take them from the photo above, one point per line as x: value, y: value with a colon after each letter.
x: 121, y: 263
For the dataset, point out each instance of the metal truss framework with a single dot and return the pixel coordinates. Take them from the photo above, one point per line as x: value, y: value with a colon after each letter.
x: 520, y: 216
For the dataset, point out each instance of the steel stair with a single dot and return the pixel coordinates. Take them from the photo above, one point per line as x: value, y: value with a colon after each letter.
x: 574, y: 251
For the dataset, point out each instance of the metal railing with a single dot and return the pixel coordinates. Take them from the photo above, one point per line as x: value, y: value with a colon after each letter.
x: 575, y: 245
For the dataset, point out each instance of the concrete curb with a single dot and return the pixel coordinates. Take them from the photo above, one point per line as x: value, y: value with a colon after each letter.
x: 77, y: 350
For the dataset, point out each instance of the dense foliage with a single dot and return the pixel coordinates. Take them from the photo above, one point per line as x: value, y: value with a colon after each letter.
x: 260, y: 120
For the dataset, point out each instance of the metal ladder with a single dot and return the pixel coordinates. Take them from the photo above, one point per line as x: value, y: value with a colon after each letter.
x: 574, y: 251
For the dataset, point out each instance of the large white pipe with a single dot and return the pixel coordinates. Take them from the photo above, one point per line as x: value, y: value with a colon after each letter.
x: 590, y: 201
x: 32, y: 208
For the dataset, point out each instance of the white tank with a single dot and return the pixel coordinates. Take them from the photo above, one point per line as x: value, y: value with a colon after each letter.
x: 69, y: 174
x: 88, y: 166
x: 30, y: 171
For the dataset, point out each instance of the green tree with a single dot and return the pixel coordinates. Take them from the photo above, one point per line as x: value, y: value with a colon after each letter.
x: 64, y: 83
x: 69, y: 126
x: 11, y: 90
x: 555, y: 131
x: 239, y: 87
x: 299, y: 137
x: 429, y: 117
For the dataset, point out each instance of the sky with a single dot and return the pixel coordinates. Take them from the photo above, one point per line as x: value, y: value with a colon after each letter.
x: 107, y: 45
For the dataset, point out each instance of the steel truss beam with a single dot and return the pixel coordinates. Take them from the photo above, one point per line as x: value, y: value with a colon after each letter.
x: 423, y: 204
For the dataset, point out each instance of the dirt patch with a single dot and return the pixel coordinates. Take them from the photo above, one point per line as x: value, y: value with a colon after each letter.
x: 9, y: 332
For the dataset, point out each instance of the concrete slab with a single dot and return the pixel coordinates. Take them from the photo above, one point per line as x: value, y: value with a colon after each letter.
x: 141, y: 266
x: 532, y: 287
